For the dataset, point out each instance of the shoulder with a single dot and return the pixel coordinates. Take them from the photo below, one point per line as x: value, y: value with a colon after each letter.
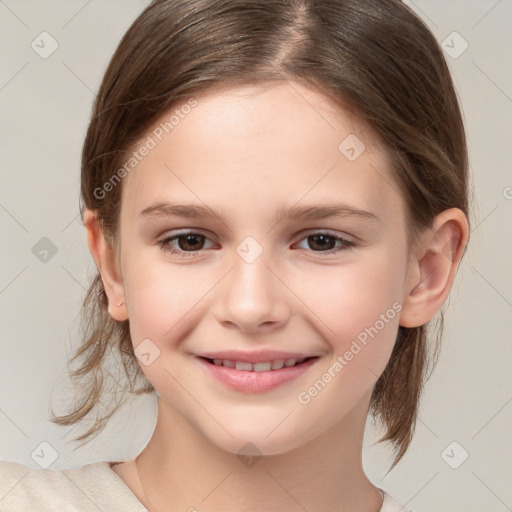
x: 90, y: 487
x: 391, y: 505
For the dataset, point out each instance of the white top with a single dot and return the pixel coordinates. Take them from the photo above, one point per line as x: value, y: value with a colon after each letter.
x: 93, y: 487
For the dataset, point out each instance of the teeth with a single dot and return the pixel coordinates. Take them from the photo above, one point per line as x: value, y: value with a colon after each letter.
x: 259, y: 367
x: 243, y: 366
x: 278, y: 364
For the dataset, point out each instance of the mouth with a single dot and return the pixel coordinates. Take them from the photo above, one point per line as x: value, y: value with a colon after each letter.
x: 264, y: 366
x: 263, y: 376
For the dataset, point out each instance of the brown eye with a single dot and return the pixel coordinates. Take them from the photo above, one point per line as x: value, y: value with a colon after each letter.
x: 183, y: 243
x: 327, y: 243
x: 190, y: 242
x: 321, y: 242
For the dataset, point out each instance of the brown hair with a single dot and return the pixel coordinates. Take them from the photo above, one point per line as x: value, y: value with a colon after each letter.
x: 375, y: 57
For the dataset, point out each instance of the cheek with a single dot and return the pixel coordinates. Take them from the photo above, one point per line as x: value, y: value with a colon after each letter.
x: 359, y: 318
x: 165, y: 305
x: 348, y: 298
x: 160, y: 295
x: 357, y: 309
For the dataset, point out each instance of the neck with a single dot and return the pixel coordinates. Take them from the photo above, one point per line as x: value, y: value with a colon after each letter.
x: 180, y: 469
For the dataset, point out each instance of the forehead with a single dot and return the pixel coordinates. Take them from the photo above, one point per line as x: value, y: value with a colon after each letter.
x: 253, y: 145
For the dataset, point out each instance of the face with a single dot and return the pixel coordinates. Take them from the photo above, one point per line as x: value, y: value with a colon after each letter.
x: 266, y: 223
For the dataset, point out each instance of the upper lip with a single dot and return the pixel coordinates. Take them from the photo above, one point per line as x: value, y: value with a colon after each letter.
x: 260, y: 356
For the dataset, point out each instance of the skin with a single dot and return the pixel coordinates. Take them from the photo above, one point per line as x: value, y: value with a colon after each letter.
x: 252, y: 152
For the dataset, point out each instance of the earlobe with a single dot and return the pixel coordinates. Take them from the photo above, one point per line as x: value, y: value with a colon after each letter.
x: 433, y: 270
x: 108, y: 266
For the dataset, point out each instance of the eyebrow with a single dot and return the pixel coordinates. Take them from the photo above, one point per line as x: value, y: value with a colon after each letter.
x: 315, y: 212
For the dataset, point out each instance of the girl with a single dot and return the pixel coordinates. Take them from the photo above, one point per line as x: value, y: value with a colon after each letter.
x: 275, y: 195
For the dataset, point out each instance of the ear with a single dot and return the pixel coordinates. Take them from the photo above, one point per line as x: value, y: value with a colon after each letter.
x: 433, y: 267
x: 108, y: 266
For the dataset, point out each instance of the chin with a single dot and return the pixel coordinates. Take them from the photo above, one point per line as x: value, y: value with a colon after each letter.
x: 258, y: 443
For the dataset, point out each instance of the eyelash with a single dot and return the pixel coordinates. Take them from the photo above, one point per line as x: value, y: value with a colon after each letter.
x: 164, y: 244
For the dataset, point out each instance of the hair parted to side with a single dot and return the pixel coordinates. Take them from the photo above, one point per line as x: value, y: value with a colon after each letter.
x: 374, y: 57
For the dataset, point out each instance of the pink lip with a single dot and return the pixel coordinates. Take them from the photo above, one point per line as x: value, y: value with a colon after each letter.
x: 255, y: 356
x: 255, y: 382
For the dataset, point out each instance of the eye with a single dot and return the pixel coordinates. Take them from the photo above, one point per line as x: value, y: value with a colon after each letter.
x: 183, y: 243
x: 187, y: 244
x: 326, y: 242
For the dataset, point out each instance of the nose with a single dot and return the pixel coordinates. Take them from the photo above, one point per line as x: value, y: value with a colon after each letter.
x: 252, y: 298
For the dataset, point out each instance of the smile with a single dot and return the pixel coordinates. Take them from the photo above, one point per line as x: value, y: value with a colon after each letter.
x: 264, y: 366
x: 256, y: 377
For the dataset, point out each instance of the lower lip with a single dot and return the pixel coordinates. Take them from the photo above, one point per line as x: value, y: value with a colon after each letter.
x: 256, y: 382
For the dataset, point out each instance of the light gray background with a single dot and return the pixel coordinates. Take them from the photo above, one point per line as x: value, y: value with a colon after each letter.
x: 45, y: 105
